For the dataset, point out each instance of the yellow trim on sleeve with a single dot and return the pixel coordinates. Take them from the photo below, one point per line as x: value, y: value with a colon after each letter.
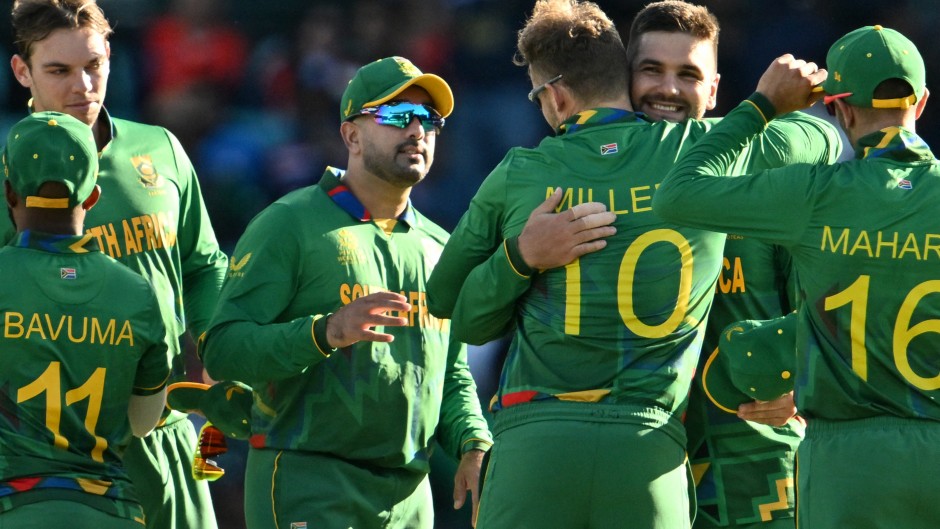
x: 313, y: 335
x: 753, y: 104
x: 472, y: 440
x: 509, y: 260
x: 158, y: 386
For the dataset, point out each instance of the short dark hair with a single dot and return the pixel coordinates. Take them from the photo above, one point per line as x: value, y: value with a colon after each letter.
x: 578, y: 40
x: 673, y: 16
x: 34, y: 20
x: 894, y: 88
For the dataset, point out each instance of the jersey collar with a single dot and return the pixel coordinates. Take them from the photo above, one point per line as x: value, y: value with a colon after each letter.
x: 52, y: 243
x: 894, y: 143
x: 342, y: 196
x: 597, y: 116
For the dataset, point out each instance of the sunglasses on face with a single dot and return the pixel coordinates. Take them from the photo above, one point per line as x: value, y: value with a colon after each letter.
x: 400, y: 113
x: 534, y: 94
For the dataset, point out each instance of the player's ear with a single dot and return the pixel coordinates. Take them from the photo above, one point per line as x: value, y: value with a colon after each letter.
x: 352, y: 136
x: 713, y: 93
x: 11, y: 195
x: 92, y: 198
x: 922, y: 103
x: 21, y: 71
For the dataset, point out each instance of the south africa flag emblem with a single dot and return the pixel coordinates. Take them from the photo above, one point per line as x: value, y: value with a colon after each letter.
x: 610, y: 148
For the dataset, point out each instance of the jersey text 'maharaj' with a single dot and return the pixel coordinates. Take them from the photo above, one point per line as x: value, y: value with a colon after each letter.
x: 891, y: 245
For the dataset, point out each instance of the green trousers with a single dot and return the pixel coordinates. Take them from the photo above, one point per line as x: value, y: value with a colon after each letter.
x: 583, y: 466
x: 877, y: 473
x: 57, y: 513
x: 160, y: 465
x: 304, y: 490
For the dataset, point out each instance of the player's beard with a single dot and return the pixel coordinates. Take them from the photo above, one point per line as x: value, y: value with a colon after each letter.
x: 392, y: 170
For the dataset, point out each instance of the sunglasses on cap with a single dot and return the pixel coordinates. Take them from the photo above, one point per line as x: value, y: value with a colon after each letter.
x: 400, y: 113
x: 534, y: 94
x: 830, y: 101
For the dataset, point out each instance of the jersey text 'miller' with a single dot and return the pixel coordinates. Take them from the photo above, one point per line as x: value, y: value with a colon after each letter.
x: 880, y: 244
x: 638, y: 201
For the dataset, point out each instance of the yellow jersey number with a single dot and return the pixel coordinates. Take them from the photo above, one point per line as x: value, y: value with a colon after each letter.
x: 625, y: 282
x: 50, y: 383
x: 856, y: 295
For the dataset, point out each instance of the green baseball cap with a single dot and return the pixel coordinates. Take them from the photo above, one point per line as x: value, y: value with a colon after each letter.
x: 862, y: 59
x: 227, y: 405
x: 51, y: 147
x: 382, y: 80
x: 755, y: 360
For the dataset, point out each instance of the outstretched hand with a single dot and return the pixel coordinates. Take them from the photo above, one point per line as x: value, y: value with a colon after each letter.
x: 467, y: 479
x: 788, y: 84
x: 549, y: 239
x: 355, y: 321
x: 772, y: 413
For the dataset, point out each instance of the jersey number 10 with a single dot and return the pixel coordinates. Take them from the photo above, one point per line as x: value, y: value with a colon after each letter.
x: 625, y: 282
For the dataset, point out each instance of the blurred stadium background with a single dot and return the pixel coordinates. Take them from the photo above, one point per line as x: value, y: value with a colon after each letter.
x: 252, y: 90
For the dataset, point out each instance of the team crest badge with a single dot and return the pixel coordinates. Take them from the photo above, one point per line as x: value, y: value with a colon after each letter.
x: 407, y: 68
x: 348, y: 249
x: 146, y: 171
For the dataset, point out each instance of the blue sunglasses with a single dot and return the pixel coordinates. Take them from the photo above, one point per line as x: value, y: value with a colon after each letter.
x: 400, y: 113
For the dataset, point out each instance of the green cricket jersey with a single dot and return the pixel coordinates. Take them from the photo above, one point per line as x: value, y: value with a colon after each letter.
x: 151, y: 217
x: 864, y: 239
x: 305, y: 256
x: 622, y: 325
x: 743, y: 470
x: 81, y: 333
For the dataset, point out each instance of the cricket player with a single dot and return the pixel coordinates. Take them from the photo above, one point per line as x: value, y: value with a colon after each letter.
x: 603, y: 352
x: 743, y: 470
x: 83, y: 362
x: 323, y: 314
x: 862, y: 235
x: 152, y: 219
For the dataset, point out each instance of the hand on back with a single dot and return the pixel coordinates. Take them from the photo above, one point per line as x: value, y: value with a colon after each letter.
x: 550, y: 240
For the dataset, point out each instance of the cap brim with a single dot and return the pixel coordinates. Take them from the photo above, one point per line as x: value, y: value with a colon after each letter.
x: 437, y: 88
x: 227, y: 405
x: 716, y: 381
x: 186, y: 396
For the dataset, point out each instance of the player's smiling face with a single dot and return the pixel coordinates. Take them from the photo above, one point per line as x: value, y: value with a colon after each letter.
x: 399, y: 156
x: 674, y: 76
x: 67, y: 72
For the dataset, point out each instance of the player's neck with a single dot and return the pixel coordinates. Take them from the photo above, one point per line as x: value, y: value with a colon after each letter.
x: 382, y: 199
x: 58, y: 222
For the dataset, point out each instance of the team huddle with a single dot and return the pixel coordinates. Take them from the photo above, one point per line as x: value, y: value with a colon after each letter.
x: 713, y: 322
